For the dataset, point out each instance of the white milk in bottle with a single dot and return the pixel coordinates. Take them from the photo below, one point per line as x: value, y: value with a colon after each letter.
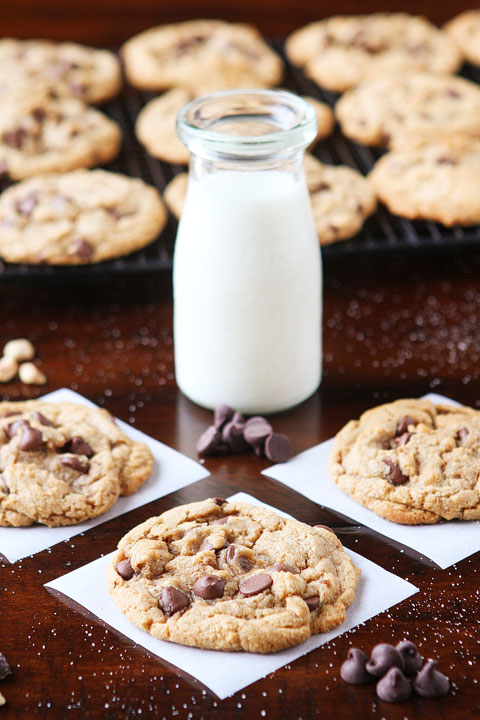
x: 247, y: 265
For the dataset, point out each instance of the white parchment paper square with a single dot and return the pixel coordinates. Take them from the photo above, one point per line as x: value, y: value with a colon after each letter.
x: 171, y: 471
x: 226, y: 673
x: 445, y: 543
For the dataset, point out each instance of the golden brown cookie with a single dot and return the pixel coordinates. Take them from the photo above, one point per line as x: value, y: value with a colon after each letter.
x: 231, y: 576
x: 411, y: 462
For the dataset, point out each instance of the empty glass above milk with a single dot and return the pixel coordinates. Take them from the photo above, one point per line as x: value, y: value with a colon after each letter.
x: 247, y: 272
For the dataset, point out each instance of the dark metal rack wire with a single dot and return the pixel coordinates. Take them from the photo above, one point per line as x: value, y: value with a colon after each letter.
x: 383, y: 232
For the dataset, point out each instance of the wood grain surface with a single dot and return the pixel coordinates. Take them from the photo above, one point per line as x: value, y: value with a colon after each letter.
x: 393, y: 326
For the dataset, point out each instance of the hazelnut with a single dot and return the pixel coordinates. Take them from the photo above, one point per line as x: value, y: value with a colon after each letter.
x: 8, y: 369
x: 30, y: 374
x: 19, y: 350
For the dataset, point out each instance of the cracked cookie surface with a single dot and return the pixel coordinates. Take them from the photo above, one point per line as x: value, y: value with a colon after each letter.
x: 203, y: 55
x: 340, y: 51
x: 411, y: 461
x: 231, y: 576
x: 62, y: 463
x: 79, y: 217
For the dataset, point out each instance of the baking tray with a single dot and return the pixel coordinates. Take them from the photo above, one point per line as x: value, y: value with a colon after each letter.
x: 381, y: 233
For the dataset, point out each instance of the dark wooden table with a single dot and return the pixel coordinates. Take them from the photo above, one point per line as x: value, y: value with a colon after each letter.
x: 393, y: 326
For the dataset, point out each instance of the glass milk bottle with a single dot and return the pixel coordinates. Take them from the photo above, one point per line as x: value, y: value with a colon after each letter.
x: 247, y: 265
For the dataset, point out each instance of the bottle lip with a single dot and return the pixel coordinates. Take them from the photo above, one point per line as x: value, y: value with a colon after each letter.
x: 203, y: 123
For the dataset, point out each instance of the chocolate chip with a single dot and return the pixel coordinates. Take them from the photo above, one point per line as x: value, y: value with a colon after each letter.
x: 5, y: 669
x: 325, y: 527
x: 39, y: 114
x: 125, y: 569
x: 27, y: 204
x: 209, y: 587
x: 3, y: 485
x: 219, y: 521
x: 278, y: 448
x: 207, y: 545
x: 431, y: 683
x: 412, y: 660
x: 404, y: 424
x: 462, y: 434
x: 319, y: 187
x: 15, y: 138
x: 394, y: 687
x: 256, y: 430
x: 353, y: 669
x: 312, y: 602
x: 41, y: 419
x: 281, y: 567
x: 173, y: 600
x: 402, y: 439
x: 74, y: 462
x: 444, y: 160
x: 232, y: 435
x: 12, y: 428
x: 450, y: 92
x: 396, y: 477
x: 222, y: 414
x: 382, y: 658
x: 219, y: 500
x: 232, y: 556
x: 32, y: 439
x: 210, y: 442
x: 256, y: 584
x: 82, y: 248
x: 78, y: 446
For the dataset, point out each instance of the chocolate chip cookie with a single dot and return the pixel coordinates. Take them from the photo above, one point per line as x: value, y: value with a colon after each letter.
x: 465, y: 32
x: 68, y: 69
x: 339, y: 52
x: 40, y: 134
x: 341, y: 199
x: 409, y: 108
x: 411, y: 461
x: 61, y: 463
x: 79, y: 217
x: 436, y: 181
x: 203, y: 55
x: 231, y: 576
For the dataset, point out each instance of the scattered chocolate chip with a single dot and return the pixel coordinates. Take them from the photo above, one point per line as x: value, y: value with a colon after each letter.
x: 74, y: 462
x: 238, y: 418
x: 78, y: 446
x: 207, y: 545
x: 210, y: 442
x: 27, y: 204
x: 278, y: 448
x: 222, y: 414
x: 404, y: 424
x: 353, y: 669
x: 382, y: 658
x: 394, y: 686
x: 82, y: 248
x: 5, y: 669
x: 124, y: 569
x: 256, y: 430
x: 402, y: 439
x: 232, y: 556
x: 173, y: 600
x: 429, y: 682
x: 32, y: 439
x: 462, y: 434
x: 41, y: 419
x: 281, y: 567
x: 13, y: 428
x: 219, y: 500
x: 3, y: 485
x: 39, y: 114
x: 256, y: 584
x: 15, y: 138
x: 412, y: 660
x: 396, y: 476
x: 312, y: 602
x: 219, y: 521
x: 209, y: 587
x: 232, y: 435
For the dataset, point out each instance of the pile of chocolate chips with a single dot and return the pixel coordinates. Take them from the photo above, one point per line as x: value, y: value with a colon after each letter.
x: 390, y: 665
x: 232, y: 433
x: 4, y: 672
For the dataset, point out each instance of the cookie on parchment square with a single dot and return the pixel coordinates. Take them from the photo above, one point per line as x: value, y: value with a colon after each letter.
x: 202, y: 55
x: 435, y: 181
x: 231, y: 576
x: 79, y: 217
x: 409, y: 108
x: 39, y: 134
x: 340, y: 51
x: 61, y: 463
x: 68, y: 69
x: 464, y: 29
x: 411, y: 462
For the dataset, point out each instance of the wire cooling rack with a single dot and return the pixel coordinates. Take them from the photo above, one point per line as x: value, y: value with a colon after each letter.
x: 383, y: 232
